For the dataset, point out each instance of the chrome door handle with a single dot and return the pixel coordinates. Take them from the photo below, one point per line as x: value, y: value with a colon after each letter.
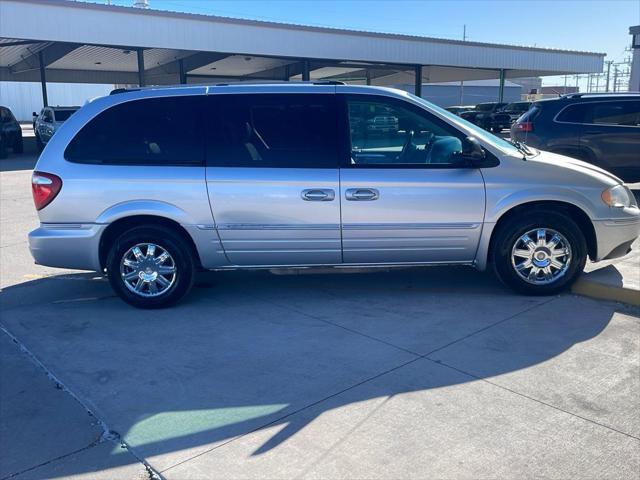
x: 362, y: 194
x: 318, y: 195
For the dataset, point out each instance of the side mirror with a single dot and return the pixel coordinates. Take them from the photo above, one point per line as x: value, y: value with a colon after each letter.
x: 472, y: 152
x: 34, y: 114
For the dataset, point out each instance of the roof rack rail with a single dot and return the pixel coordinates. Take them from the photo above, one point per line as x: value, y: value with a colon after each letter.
x: 597, y: 94
x: 281, y: 82
x: 116, y: 91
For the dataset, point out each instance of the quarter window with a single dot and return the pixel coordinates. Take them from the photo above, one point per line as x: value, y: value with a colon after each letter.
x: 273, y: 130
x: 384, y: 132
x: 153, y: 131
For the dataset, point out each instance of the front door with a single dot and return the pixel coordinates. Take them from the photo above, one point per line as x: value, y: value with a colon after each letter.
x: 406, y: 196
x: 272, y: 176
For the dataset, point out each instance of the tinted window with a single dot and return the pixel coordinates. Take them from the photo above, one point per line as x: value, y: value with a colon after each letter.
x: 62, y: 115
x: 517, y: 107
x: 616, y: 113
x: 273, y: 130
x: 604, y: 113
x: 155, y: 131
x: 386, y: 132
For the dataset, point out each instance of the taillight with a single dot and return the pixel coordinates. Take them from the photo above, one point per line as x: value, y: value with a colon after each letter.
x: 44, y: 187
x: 524, y: 127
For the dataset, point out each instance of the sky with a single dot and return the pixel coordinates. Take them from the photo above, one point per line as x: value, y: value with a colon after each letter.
x: 587, y: 25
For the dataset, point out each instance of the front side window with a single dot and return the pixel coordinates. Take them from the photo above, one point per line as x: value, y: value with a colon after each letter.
x: 152, y: 131
x: 385, y: 132
x: 273, y: 130
x: 616, y: 113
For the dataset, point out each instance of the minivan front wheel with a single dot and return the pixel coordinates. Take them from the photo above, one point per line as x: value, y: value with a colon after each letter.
x: 150, y: 267
x: 540, y: 254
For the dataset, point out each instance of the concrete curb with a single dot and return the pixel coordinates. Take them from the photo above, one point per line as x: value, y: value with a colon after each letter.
x: 587, y: 287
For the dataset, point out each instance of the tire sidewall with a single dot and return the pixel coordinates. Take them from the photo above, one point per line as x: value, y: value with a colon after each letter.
x: 173, y: 244
x: 514, y: 229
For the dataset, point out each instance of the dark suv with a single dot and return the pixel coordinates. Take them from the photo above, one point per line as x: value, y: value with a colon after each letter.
x: 602, y: 129
x: 10, y: 133
x: 489, y: 116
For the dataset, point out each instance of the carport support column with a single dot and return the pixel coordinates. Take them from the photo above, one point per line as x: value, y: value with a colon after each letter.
x: 418, y: 86
x: 501, y: 87
x: 140, y: 67
x: 305, y: 71
x: 43, y: 79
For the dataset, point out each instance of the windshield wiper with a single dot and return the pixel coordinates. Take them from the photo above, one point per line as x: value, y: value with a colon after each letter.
x: 522, y: 148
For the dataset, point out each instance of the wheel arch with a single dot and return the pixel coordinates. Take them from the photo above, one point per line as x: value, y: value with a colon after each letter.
x: 577, y: 214
x: 123, y: 224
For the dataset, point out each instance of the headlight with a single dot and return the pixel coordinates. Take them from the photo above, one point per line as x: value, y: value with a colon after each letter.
x: 619, y: 196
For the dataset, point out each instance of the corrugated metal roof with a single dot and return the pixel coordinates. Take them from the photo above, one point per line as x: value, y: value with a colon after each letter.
x: 13, y: 54
x: 91, y: 57
x: 105, y: 33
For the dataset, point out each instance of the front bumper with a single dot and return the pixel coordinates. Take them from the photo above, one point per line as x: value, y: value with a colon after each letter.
x: 615, y: 235
x: 74, y: 246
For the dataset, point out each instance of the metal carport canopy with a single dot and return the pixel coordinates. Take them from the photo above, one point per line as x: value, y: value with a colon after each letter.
x: 85, y: 42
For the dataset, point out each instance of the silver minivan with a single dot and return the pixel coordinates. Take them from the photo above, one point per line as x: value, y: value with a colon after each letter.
x: 152, y: 185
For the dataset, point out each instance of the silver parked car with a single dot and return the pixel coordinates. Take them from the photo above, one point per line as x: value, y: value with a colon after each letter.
x: 49, y: 121
x: 152, y: 185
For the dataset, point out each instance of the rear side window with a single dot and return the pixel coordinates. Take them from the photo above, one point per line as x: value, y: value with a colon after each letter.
x: 153, y: 131
x: 577, y: 113
x: 625, y: 113
x: 273, y: 130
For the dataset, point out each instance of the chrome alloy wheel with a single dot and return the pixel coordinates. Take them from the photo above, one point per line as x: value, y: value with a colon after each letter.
x: 148, y: 270
x: 541, y: 256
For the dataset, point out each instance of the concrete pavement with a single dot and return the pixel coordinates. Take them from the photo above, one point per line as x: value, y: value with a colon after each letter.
x: 412, y: 373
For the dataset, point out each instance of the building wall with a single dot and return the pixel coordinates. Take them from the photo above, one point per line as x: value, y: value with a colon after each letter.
x: 23, y: 98
x: 448, y: 95
x: 528, y: 83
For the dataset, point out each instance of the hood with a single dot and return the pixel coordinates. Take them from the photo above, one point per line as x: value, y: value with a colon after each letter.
x: 576, y: 165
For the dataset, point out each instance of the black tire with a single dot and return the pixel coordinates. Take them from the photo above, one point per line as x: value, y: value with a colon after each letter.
x: 3, y: 149
x: 509, y: 234
x: 166, y: 239
x: 18, y: 146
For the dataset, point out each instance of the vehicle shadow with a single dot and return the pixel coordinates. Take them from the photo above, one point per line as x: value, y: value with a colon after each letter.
x: 252, y: 349
x: 21, y: 161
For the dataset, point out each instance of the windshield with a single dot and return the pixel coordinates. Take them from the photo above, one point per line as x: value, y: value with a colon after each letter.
x: 485, y: 107
x: 517, y: 107
x: 476, y: 131
x: 62, y: 115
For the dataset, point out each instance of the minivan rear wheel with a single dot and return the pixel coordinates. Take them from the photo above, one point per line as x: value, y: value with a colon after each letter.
x: 540, y: 254
x: 150, y: 267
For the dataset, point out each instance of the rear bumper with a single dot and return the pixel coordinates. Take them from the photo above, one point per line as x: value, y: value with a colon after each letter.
x: 74, y: 246
x: 616, y: 235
